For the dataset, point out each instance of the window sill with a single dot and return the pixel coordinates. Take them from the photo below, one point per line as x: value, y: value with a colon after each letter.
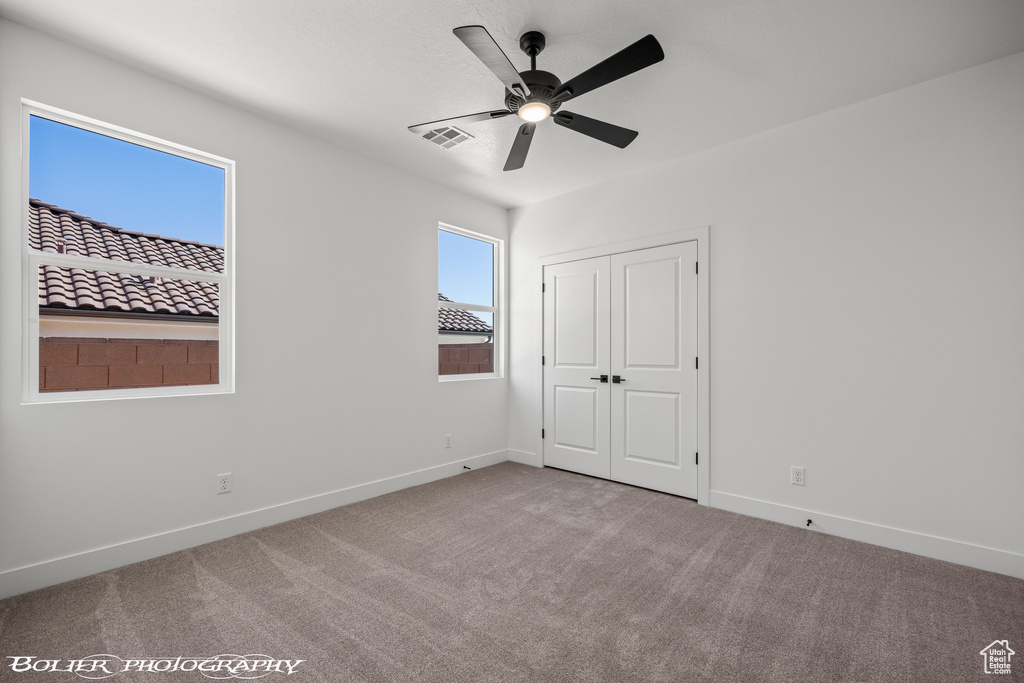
x: 41, y: 398
x: 468, y: 377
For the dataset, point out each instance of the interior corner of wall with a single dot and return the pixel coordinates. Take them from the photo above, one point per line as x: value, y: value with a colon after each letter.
x: 525, y: 457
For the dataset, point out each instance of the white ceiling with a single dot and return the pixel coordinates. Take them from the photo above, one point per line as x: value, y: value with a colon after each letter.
x: 358, y: 72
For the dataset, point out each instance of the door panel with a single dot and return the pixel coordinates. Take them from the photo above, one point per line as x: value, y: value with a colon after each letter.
x: 652, y: 427
x: 651, y: 309
x: 576, y: 339
x: 576, y: 418
x: 654, y: 348
x: 576, y: 306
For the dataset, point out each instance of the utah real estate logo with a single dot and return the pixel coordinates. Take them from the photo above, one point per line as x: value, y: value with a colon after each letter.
x: 997, y: 657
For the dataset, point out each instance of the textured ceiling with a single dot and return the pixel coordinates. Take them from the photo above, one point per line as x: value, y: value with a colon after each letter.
x: 358, y: 72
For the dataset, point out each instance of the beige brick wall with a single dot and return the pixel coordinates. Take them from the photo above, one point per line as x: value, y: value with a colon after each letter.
x: 83, y: 363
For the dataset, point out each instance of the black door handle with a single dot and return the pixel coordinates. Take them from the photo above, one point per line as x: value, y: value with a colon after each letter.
x: 618, y: 380
x: 603, y: 378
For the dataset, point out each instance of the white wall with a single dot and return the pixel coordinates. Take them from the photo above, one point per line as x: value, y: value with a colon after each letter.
x: 330, y: 247
x: 867, y: 312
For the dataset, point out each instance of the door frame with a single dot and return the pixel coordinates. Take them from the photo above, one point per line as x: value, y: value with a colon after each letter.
x: 701, y: 235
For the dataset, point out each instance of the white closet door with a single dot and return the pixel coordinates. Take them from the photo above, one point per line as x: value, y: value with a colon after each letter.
x: 654, y: 352
x: 576, y: 341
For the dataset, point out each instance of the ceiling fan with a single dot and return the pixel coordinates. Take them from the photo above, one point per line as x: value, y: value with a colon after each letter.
x: 536, y: 95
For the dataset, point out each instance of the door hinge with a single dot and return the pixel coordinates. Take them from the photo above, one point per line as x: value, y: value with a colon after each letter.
x: 696, y: 267
x: 542, y: 433
x: 542, y: 360
x: 543, y: 287
x: 696, y: 363
x: 696, y: 458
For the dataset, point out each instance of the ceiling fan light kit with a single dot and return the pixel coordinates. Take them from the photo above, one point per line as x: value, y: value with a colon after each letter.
x: 535, y: 95
x: 534, y: 111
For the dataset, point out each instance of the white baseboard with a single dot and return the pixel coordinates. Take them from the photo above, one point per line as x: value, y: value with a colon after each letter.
x: 936, y: 547
x: 526, y: 458
x: 52, y: 572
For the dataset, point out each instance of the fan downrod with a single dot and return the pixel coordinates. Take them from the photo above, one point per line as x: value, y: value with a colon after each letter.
x: 532, y: 43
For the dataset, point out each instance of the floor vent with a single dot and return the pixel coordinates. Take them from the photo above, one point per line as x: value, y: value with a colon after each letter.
x: 447, y: 137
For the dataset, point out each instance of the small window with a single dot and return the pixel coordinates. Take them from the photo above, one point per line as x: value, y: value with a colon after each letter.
x: 468, y: 268
x: 127, y: 263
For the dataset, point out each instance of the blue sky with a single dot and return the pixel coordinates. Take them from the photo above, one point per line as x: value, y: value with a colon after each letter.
x: 465, y: 269
x: 125, y: 185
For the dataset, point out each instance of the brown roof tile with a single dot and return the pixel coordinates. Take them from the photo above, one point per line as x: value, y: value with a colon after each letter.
x: 56, y: 230
x: 458, y: 320
x: 97, y: 290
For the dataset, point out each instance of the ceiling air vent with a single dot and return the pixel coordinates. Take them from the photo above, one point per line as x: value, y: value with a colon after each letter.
x: 447, y: 137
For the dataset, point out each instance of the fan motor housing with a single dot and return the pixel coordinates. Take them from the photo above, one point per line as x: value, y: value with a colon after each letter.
x: 542, y: 84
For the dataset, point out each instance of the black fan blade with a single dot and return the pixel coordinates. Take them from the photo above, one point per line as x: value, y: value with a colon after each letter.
x: 517, y: 157
x: 483, y: 46
x: 639, y: 55
x: 468, y: 118
x: 599, y: 130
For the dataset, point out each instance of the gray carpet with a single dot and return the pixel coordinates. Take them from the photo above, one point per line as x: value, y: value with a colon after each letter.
x: 512, y: 573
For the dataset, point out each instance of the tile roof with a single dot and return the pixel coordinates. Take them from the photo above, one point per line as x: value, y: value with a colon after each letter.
x: 98, y: 290
x: 60, y: 231
x: 56, y: 230
x: 458, y: 320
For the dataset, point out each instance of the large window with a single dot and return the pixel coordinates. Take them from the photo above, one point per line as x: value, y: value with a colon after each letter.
x: 468, y: 277
x: 127, y: 263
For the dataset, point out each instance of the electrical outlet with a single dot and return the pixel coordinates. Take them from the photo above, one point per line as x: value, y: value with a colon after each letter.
x: 797, y: 475
x: 447, y: 440
x: 224, y: 483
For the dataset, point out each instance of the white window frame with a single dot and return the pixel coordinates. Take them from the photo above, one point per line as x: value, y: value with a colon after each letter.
x: 32, y: 260
x: 498, y: 310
